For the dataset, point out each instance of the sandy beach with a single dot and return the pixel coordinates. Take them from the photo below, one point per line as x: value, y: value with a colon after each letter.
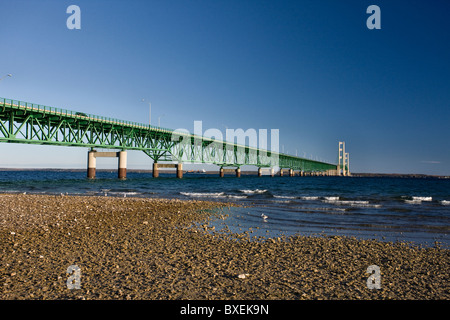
x: 134, y: 248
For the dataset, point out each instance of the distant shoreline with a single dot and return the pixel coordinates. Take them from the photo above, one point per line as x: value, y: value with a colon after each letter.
x: 364, y: 175
x: 357, y: 175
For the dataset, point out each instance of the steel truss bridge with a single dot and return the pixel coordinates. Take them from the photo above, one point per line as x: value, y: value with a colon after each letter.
x: 30, y: 123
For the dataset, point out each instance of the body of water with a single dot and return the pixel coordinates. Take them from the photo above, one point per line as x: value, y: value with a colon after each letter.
x: 389, y: 209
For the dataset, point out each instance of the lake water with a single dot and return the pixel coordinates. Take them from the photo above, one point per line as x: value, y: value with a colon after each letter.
x: 388, y: 209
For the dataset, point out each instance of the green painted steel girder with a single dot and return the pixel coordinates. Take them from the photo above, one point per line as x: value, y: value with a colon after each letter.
x: 24, y: 122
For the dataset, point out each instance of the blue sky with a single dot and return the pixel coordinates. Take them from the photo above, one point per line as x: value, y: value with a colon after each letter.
x: 311, y: 69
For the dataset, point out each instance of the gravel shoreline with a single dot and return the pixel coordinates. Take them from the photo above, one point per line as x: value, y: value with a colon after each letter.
x: 133, y: 248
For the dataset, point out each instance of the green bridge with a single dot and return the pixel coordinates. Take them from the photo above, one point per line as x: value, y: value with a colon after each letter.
x: 24, y: 122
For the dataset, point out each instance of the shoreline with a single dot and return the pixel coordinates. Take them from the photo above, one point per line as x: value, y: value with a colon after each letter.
x: 147, y: 248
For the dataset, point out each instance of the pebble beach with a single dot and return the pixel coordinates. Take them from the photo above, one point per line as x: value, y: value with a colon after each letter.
x: 137, y: 248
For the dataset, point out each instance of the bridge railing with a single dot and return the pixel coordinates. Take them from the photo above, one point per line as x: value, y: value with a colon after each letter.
x: 17, y: 104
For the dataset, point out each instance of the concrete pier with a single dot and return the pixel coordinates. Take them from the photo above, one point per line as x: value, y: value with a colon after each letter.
x: 272, y: 172
x: 155, y: 171
x: 291, y: 172
x: 179, y: 170
x: 92, y: 164
x: 236, y: 171
x: 259, y: 172
x: 177, y: 166
x: 122, y: 164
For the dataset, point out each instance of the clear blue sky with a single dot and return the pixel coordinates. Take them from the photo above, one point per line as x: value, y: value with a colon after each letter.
x: 311, y: 69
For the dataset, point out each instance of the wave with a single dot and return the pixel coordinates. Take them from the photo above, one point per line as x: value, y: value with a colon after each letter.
x: 413, y: 201
x: 322, y: 209
x: 253, y: 191
x: 422, y: 198
x: 285, y: 197
x: 204, y: 194
x: 212, y: 195
x: 331, y: 198
x: 309, y: 198
x: 353, y: 203
x: 333, y: 209
x: 416, y: 200
x: 236, y: 197
x: 445, y: 202
x: 125, y: 193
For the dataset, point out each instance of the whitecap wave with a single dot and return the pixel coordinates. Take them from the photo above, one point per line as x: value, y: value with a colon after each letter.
x: 331, y: 198
x: 445, y: 202
x: 124, y: 193
x: 253, y: 191
x: 309, y: 198
x: 204, y: 194
x: 236, y: 197
x: 212, y: 195
x: 413, y: 201
x: 422, y: 198
x: 353, y: 203
x: 285, y: 197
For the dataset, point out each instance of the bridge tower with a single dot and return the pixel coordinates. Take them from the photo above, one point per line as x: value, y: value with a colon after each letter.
x: 343, y: 162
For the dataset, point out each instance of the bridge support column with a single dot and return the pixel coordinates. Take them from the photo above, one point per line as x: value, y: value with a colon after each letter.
x: 179, y: 170
x: 238, y: 172
x: 291, y: 172
x: 92, y: 164
x: 122, y: 164
x: 281, y: 172
x: 259, y: 172
x: 221, y: 172
x: 155, y: 170
x: 272, y: 172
